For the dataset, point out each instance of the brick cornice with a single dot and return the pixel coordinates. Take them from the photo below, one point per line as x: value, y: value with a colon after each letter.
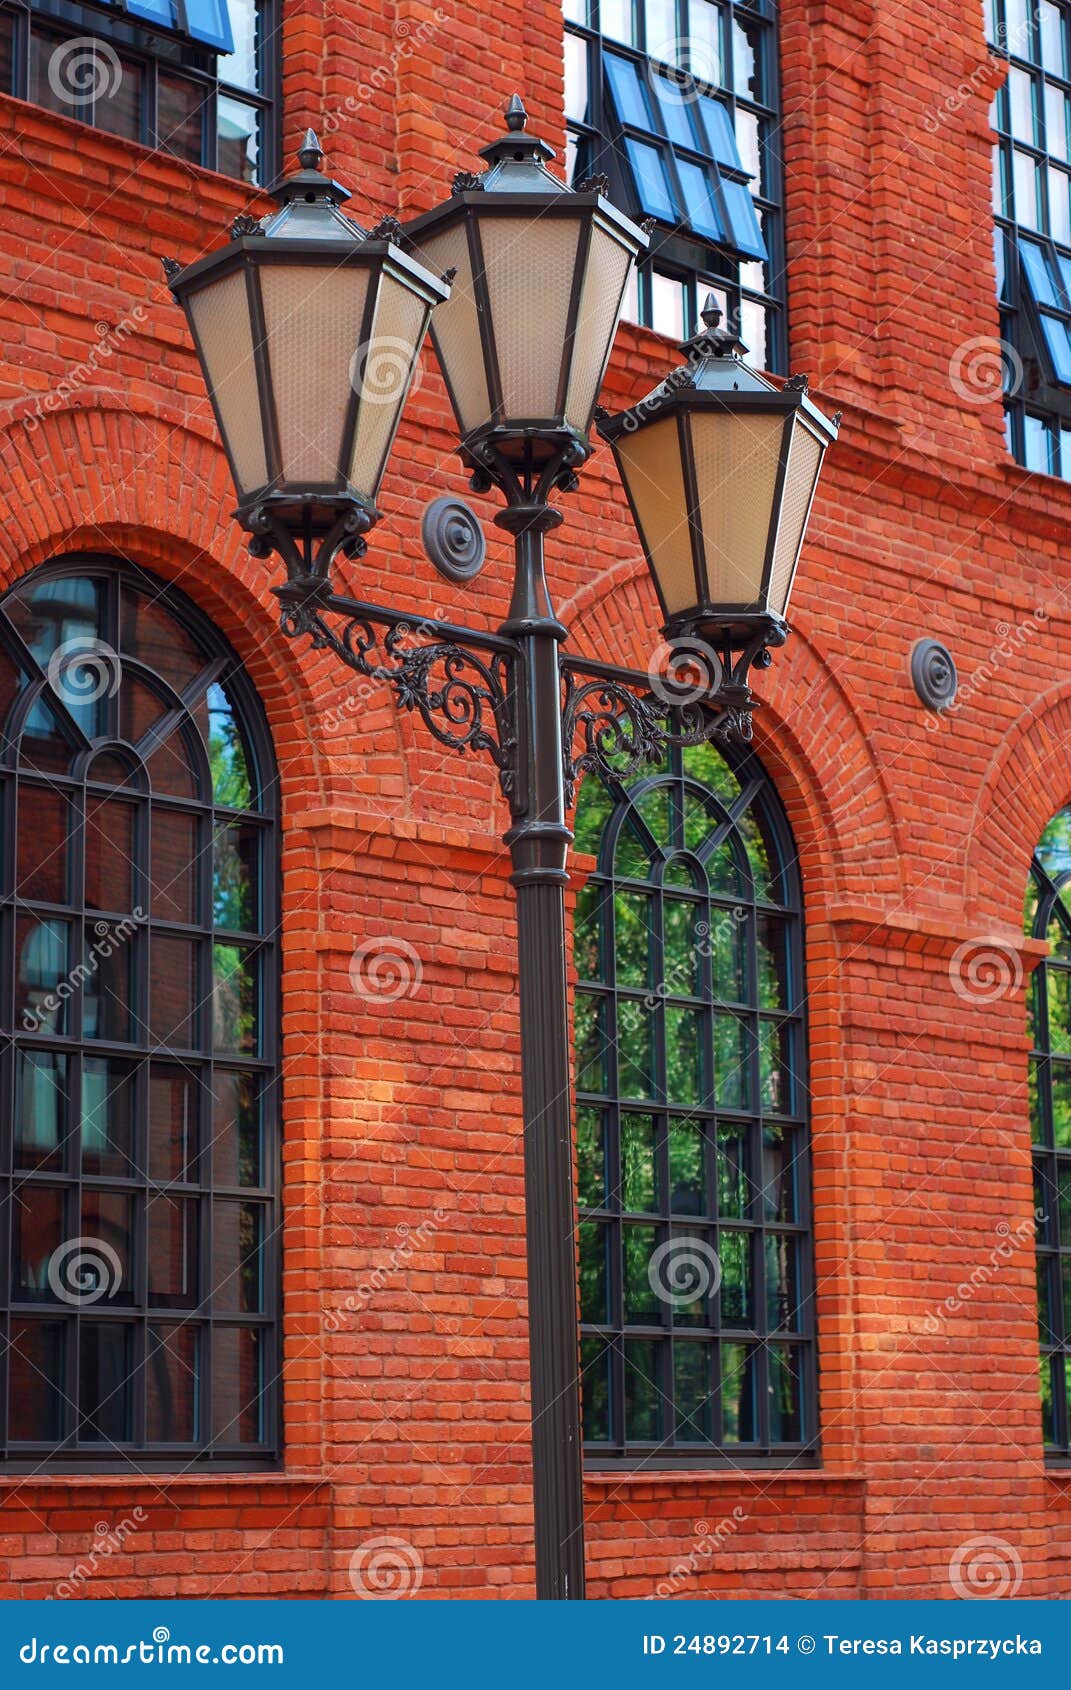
x: 871, y: 928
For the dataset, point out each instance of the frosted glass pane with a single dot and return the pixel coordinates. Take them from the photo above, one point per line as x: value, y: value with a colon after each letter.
x: 736, y: 463
x: 651, y: 466
x: 804, y: 461
x: 221, y: 322
x: 608, y: 265
x: 383, y: 380
x: 313, y: 316
x: 455, y: 327
x: 530, y: 270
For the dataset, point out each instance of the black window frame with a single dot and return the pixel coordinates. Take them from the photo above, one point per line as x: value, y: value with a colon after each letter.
x: 156, y: 50
x: 1049, y: 903
x: 619, y: 1452
x: 199, y: 1183
x: 699, y: 263
x: 1037, y: 395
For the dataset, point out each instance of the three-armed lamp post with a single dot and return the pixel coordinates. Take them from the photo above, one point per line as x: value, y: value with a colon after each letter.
x: 522, y: 279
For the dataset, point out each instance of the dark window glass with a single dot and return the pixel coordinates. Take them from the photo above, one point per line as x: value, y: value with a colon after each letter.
x: 154, y: 72
x: 138, y: 1180
x: 1032, y: 205
x: 1048, y: 916
x: 677, y: 102
x: 692, y: 1151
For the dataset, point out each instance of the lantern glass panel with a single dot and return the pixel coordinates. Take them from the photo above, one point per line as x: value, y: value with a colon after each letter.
x: 804, y: 462
x: 222, y: 324
x: 650, y: 460
x: 386, y: 370
x: 313, y: 316
x: 600, y: 304
x: 530, y: 266
x: 456, y: 327
x: 737, y: 458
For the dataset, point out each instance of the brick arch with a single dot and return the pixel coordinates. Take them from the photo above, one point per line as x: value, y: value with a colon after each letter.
x: 1028, y: 779
x: 806, y: 733
x: 148, y: 481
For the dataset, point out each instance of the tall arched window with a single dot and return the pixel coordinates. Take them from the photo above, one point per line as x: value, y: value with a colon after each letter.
x: 138, y: 1011
x: 695, y: 1248
x: 1048, y: 916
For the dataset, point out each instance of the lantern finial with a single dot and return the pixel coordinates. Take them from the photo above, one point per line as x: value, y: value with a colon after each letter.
x: 711, y: 312
x: 516, y: 116
x: 310, y: 153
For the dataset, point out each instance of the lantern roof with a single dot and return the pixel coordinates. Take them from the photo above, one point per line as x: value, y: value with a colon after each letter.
x: 715, y: 373
x: 310, y: 202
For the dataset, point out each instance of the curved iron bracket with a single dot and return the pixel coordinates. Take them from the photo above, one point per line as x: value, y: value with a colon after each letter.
x: 611, y: 726
x: 461, y: 682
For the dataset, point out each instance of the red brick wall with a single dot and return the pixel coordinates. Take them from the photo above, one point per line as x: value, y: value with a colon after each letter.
x: 405, y: 1385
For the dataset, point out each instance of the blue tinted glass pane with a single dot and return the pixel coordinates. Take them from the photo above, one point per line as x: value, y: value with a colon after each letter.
x: 208, y: 21
x: 1056, y: 339
x: 1065, y: 275
x: 700, y: 202
x: 159, y: 11
x: 746, y: 234
x: 1036, y: 442
x: 652, y: 185
x: 628, y: 91
x: 676, y: 107
x: 1038, y: 273
x: 720, y: 136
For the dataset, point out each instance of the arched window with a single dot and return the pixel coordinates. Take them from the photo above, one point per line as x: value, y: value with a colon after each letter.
x: 138, y: 1011
x: 695, y: 1248
x: 1048, y: 916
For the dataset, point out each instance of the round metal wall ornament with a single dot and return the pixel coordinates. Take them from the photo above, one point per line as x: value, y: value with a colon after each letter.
x: 933, y: 674
x: 453, y: 539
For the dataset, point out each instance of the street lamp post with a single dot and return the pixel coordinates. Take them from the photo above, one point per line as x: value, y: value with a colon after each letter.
x: 523, y: 281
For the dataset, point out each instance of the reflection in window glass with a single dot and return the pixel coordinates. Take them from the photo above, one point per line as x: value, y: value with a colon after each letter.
x: 691, y: 1137
x: 138, y: 1171
x: 1048, y: 915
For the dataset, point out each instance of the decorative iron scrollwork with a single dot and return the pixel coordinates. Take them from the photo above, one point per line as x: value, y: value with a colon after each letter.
x: 464, y: 696
x: 610, y: 727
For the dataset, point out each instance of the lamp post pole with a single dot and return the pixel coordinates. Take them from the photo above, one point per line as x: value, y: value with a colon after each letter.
x: 539, y: 842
